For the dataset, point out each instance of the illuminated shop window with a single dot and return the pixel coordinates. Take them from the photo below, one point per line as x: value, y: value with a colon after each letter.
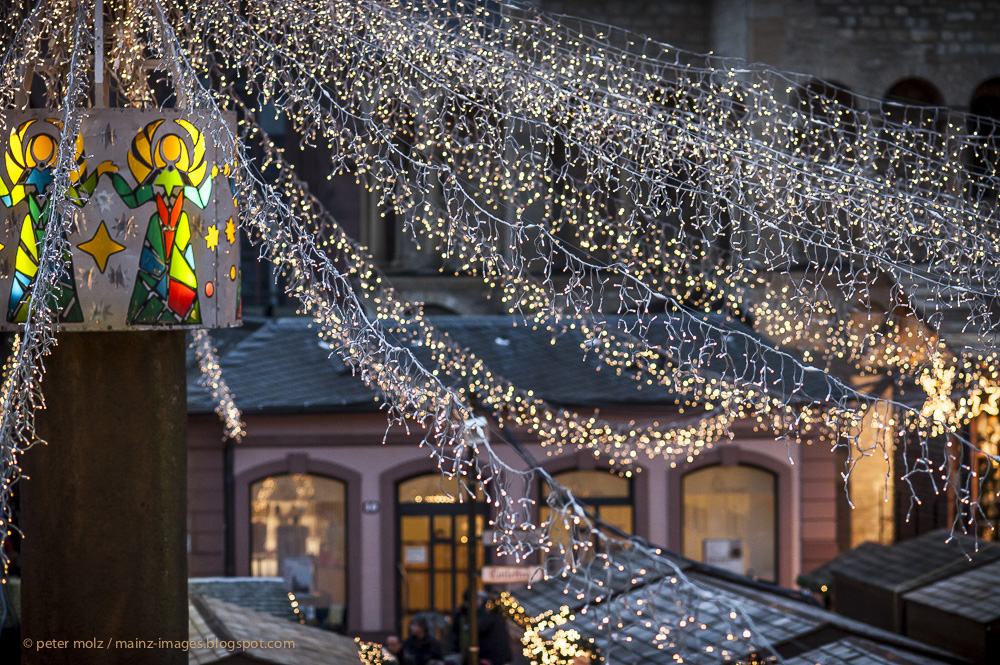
x: 432, y: 559
x: 298, y: 532
x: 729, y: 519
x: 986, y: 436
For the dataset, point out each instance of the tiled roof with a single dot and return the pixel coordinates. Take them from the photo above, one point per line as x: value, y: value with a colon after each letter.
x: 282, y: 365
x: 639, y: 570
x: 205, y: 647
x: 821, y: 577
x: 973, y: 594
x: 801, y: 633
x: 213, y: 621
x: 906, y: 564
x: 263, y: 594
x: 858, y: 651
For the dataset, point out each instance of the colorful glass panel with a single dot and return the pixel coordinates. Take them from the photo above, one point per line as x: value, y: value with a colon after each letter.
x: 153, y: 221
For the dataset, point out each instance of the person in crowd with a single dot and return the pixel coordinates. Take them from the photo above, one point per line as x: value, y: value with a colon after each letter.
x: 420, y: 647
x: 494, y: 640
x: 392, y: 649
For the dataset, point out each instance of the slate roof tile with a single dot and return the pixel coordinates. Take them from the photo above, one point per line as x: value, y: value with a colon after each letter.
x: 280, y: 365
x: 263, y: 594
x: 903, y: 565
x: 973, y: 594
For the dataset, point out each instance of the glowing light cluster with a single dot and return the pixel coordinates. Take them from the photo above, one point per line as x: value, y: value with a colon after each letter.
x: 371, y: 653
x: 212, y: 379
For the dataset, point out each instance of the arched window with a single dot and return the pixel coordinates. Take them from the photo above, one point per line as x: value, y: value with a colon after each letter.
x: 298, y: 531
x: 607, y: 494
x: 914, y: 101
x: 432, y: 558
x: 983, y: 154
x: 911, y: 141
x: 729, y: 519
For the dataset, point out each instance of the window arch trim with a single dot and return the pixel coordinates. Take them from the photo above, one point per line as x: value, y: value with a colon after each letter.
x: 733, y: 455
x: 299, y: 463
x: 388, y: 481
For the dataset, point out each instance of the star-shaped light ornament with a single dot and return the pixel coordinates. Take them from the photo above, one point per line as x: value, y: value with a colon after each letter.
x: 116, y: 277
x: 103, y: 200
x: 125, y: 226
x: 108, y: 135
x: 77, y: 222
x: 85, y: 276
x: 212, y: 238
x: 100, y: 311
x: 231, y: 231
x: 101, y: 246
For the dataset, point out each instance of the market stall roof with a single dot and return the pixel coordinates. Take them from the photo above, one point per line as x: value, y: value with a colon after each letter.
x: 261, y: 594
x: 224, y: 633
x: 671, y: 589
x: 904, y: 565
x: 971, y: 594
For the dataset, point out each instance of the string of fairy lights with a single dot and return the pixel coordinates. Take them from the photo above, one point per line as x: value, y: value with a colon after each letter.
x: 557, y: 429
x: 22, y: 392
x: 212, y: 380
x: 737, y: 219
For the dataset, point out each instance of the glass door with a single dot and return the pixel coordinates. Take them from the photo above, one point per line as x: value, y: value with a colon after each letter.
x: 432, y: 558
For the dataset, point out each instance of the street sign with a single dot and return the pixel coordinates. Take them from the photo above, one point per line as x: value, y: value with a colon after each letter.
x: 511, y: 574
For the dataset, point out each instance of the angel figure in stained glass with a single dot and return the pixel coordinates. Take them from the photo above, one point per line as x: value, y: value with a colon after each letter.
x: 167, y: 161
x: 29, y: 160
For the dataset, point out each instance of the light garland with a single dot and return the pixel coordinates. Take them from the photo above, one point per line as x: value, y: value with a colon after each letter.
x: 556, y: 428
x: 211, y: 379
x: 564, y: 647
x: 578, y: 170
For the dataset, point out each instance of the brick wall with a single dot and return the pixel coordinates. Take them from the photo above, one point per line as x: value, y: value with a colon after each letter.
x: 869, y: 45
x: 684, y: 24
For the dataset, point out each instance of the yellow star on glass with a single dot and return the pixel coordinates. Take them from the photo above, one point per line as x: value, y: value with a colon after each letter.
x: 101, y: 246
x: 212, y: 237
x: 231, y: 231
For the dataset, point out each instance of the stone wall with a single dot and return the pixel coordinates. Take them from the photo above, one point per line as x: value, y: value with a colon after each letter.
x: 683, y: 23
x: 866, y: 45
x: 870, y: 45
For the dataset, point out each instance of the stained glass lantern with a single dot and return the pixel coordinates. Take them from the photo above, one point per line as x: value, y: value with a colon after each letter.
x: 153, y: 240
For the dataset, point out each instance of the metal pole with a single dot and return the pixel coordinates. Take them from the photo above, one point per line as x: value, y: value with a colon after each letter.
x: 100, y: 90
x: 473, y: 655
